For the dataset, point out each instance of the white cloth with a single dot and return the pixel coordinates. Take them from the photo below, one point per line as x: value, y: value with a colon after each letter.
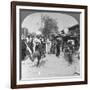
x: 37, y: 40
x: 48, y: 46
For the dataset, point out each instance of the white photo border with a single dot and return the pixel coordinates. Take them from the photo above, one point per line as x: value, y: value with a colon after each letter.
x: 82, y: 56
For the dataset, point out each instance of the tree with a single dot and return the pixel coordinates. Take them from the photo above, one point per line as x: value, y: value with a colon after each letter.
x: 50, y: 26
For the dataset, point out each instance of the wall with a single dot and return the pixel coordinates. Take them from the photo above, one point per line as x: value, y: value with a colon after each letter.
x: 5, y: 44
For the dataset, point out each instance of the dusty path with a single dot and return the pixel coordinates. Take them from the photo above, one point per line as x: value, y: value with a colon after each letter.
x: 51, y: 66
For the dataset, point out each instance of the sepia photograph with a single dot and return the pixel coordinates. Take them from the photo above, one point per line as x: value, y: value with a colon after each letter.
x: 50, y: 44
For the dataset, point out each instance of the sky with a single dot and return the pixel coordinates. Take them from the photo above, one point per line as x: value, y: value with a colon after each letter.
x: 33, y: 21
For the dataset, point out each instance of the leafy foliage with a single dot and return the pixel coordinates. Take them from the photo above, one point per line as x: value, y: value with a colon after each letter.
x: 50, y: 26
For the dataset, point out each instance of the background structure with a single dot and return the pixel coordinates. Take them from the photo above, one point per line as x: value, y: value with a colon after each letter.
x: 5, y: 45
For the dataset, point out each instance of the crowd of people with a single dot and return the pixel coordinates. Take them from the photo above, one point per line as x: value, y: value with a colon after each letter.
x: 38, y: 46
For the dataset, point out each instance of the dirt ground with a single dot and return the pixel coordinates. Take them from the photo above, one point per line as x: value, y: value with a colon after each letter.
x: 50, y: 66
